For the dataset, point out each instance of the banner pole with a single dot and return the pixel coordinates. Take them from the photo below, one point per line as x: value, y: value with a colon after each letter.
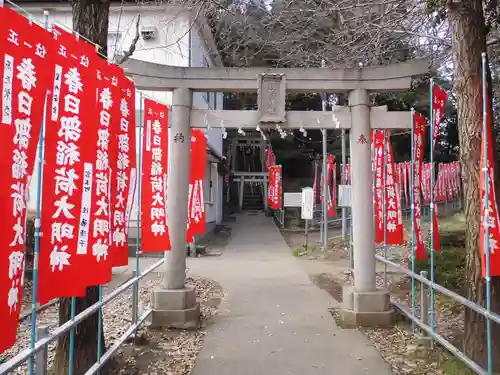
x: 351, y: 255
x: 431, y: 214
x: 325, y: 194
x: 344, y: 182
x: 486, y: 218
x: 139, y: 209
x: 384, y: 204
x: 37, y: 223
x: 412, y: 215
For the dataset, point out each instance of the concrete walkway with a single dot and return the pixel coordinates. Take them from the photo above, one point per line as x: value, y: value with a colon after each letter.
x: 273, y: 320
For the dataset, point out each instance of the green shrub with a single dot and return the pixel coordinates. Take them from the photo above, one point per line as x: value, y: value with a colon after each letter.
x: 449, y: 267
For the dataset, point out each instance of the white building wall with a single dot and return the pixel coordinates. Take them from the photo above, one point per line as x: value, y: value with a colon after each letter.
x: 213, y: 181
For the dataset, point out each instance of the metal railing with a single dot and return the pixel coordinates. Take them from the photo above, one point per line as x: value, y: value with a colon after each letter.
x: 41, y: 336
x: 420, y: 317
x: 40, y: 348
x: 279, y: 215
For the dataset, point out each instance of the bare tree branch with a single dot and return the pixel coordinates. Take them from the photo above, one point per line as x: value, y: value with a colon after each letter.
x: 133, y: 45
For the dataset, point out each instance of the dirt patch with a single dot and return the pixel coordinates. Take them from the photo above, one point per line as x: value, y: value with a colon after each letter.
x: 337, y: 248
x: 330, y: 284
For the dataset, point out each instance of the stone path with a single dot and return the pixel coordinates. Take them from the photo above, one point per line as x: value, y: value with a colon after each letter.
x: 273, y: 320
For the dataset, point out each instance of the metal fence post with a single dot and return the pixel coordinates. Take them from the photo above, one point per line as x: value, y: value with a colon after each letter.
x: 424, y: 302
x: 135, y: 302
x: 41, y: 357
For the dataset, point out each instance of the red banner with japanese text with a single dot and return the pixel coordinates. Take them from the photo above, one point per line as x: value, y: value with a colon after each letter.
x: 449, y: 180
x: 439, y: 97
x: 394, y: 218
x: 124, y: 180
x: 404, y: 175
x: 418, y: 150
x: 428, y: 188
x: 332, y: 184
x: 378, y: 162
x: 27, y: 50
x: 408, y: 175
x: 274, y: 193
x: 489, y: 214
x: 154, y: 228
x: 196, y: 199
x: 107, y: 117
x: 70, y: 152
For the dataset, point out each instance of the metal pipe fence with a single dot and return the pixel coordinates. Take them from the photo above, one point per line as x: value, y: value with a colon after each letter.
x: 445, y: 208
x: 36, y: 352
x: 279, y: 216
x: 43, y: 342
x: 418, y: 316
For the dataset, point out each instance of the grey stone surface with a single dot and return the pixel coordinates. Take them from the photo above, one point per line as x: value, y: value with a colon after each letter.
x: 175, y: 308
x: 188, y: 318
x: 353, y: 319
x: 176, y: 299
x: 369, y: 309
x: 273, y: 320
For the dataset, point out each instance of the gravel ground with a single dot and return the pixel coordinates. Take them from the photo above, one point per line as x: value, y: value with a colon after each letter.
x: 398, y: 345
x: 179, y: 348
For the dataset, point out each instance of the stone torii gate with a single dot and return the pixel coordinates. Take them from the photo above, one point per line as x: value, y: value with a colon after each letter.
x: 175, y: 305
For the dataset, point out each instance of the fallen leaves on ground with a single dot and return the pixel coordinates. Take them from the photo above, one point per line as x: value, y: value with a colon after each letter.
x: 399, y: 346
x: 172, y: 352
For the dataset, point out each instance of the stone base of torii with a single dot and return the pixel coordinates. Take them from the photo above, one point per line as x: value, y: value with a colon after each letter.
x: 174, y: 305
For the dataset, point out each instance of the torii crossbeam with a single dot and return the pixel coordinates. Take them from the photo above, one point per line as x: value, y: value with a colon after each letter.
x: 174, y: 305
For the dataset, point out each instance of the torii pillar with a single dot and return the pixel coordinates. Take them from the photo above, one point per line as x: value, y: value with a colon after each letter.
x: 363, y: 304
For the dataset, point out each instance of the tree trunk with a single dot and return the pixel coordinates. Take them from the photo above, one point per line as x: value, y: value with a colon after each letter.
x: 90, y: 20
x: 85, y: 351
x: 468, y: 42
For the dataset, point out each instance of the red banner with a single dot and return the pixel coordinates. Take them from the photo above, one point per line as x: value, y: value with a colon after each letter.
x: 332, y: 185
x: 439, y: 98
x: 274, y: 191
x: 418, y: 149
x: 404, y: 175
x: 489, y: 214
x: 269, y: 156
x: 27, y: 49
x: 449, y: 180
x: 154, y: 229
x: 393, y: 217
x: 378, y: 151
x: 426, y: 182
x: 124, y: 180
x: 196, y: 200
x: 71, y: 136
x: 107, y: 116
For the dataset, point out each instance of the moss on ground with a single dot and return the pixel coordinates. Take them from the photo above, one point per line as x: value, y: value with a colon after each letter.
x: 449, y: 264
x: 453, y: 366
